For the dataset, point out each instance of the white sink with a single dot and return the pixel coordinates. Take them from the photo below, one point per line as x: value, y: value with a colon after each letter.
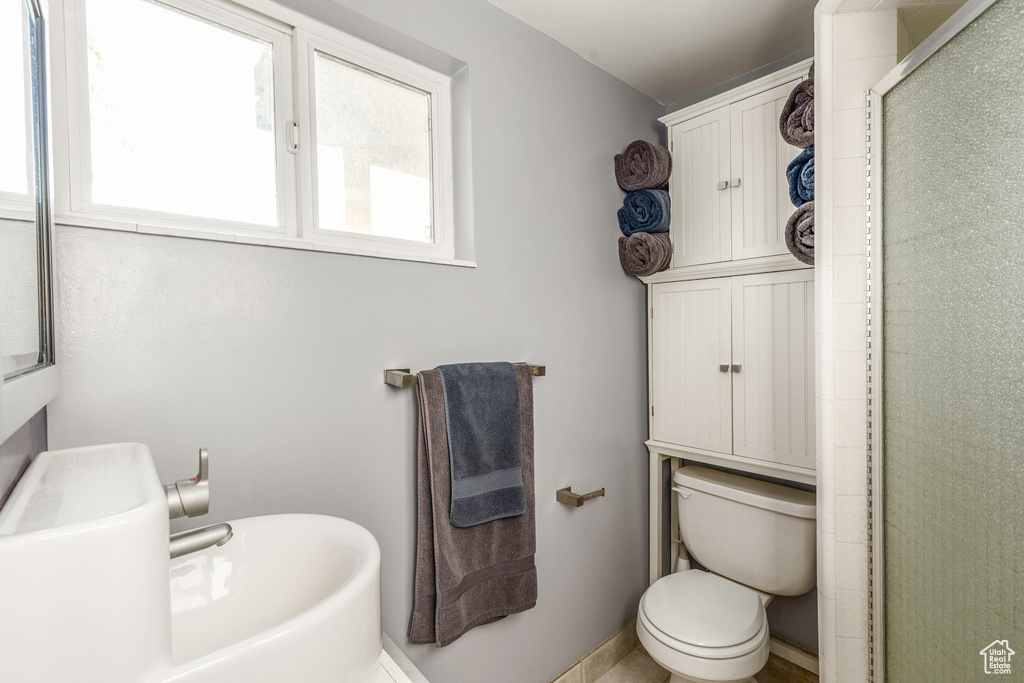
x: 289, y: 597
x: 89, y: 595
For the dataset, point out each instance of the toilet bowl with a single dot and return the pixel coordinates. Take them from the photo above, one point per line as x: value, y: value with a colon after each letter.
x: 702, y: 627
x: 758, y: 540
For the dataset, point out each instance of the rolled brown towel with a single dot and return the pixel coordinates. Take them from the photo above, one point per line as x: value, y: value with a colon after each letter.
x: 800, y: 233
x: 797, y: 120
x: 643, y: 166
x: 645, y: 253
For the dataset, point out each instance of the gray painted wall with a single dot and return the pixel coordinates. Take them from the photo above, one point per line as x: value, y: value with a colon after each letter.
x: 17, y: 451
x: 272, y: 358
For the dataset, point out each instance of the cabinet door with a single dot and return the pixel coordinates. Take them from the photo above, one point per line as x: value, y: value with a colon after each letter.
x: 773, y: 347
x: 760, y: 202
x: 701, y: 229
x: 691, y: 395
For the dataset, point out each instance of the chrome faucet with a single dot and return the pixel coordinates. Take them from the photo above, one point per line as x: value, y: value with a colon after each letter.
x: 191, y: 497
x: 202, y: 538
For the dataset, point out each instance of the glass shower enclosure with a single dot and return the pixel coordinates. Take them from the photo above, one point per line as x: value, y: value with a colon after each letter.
x: 946, y: 353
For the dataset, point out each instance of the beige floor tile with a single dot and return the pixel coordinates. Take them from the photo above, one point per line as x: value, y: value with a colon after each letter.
x: 607, y: 654
x: 779, y: 670
x: 573, y: 675
x: 636, y: 667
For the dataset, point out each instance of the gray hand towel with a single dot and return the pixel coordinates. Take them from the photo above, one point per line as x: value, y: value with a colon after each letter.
x: 468, y: 576
x: 482, y: 412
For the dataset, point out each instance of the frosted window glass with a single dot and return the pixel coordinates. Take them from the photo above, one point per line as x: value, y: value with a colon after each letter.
x: 953, y: 355
x: 373, y: 153
x: 181, y: 114
x: 16, y: 153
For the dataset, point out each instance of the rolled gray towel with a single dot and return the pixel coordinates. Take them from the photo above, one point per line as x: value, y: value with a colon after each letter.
x: 643, y: 166
x: 797, y: 120
x: 645, y: 253
x: 800, y: 233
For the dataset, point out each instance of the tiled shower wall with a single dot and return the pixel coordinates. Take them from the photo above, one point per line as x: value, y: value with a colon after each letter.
x: 853, y: 50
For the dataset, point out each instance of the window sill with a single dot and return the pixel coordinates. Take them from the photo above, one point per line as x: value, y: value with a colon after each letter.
x: 259, y: 240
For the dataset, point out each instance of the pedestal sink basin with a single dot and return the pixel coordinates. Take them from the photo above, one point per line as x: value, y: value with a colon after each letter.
x: 89, y: 594
x: 290, y: 597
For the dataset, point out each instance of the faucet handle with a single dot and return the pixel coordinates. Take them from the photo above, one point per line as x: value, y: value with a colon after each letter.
x: 191, y: 497
x: 204, y: 466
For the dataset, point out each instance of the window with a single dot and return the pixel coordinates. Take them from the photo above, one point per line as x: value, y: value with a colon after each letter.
x: 16, y: 145
x: 375, y: 151
x: 180, y: 117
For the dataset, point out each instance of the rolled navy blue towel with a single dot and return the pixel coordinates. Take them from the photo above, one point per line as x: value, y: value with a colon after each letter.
x: 800, y: 174
x: 644, y: 211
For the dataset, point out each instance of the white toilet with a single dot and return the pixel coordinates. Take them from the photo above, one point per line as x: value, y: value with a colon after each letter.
x: 757, y: 540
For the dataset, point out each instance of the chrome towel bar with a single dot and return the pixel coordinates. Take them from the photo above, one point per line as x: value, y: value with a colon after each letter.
x: 403, y: 377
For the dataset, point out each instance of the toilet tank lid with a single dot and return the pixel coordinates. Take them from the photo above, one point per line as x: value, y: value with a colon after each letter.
x: 754, y: 492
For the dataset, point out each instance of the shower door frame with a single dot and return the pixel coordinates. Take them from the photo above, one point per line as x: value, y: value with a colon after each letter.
x: 963, y: 17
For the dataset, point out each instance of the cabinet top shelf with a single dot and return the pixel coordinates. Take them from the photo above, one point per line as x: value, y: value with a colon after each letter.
x: 798, y: 70
x: 753, y: 266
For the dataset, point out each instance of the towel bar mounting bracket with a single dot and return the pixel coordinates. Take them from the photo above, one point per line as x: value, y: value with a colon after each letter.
x: 576, y: 499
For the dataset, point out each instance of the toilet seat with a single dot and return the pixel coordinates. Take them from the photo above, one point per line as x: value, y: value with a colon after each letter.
x: 704, y: 615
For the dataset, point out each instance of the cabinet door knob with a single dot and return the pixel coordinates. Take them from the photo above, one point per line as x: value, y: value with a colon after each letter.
x: 723, y: 185
x: 737, y: 368
x: 723, y: 368
x: 735, y: 182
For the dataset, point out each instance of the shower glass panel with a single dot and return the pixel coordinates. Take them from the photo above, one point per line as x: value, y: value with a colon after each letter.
x: 952, y: 352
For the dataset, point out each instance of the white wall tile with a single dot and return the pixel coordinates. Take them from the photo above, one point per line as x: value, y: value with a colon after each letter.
x: 826, y: 492
x: 852, y: 660
x: 850, y: 279
x: 850, y: 375
x: 850, y: 182
x: 826, y: 628
x: 849, y: 232
x: 828, y: 434
x: 824, y: 437
x: 851, y: 423
x: 851, y: 519
x: 854, y: 77
x: 827, y: 567
x: 851, y: 613
x: 865, y: 34
x: 851, y: 471
x: 850, y: 137
x: 851, y: 566
x: 850, y: 327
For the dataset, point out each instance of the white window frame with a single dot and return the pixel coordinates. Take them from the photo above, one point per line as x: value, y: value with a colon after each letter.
x: 375, y: 60
x: 295, y: 38
x: 73, y: 160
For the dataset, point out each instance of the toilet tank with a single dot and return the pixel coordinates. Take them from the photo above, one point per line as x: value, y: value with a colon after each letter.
x: 753, y: 532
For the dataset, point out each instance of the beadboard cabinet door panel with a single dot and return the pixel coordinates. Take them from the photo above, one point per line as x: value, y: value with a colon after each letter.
x: 773, y: 347
x: 759, y: 156
x: 701, y: 225
x: 691, y: 397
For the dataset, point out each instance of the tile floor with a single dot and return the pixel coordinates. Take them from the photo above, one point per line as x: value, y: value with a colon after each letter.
x: 638, y: 667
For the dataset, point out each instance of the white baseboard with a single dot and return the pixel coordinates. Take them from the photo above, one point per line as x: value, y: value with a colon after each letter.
x: 396, y: 663
x: 794, y: 654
